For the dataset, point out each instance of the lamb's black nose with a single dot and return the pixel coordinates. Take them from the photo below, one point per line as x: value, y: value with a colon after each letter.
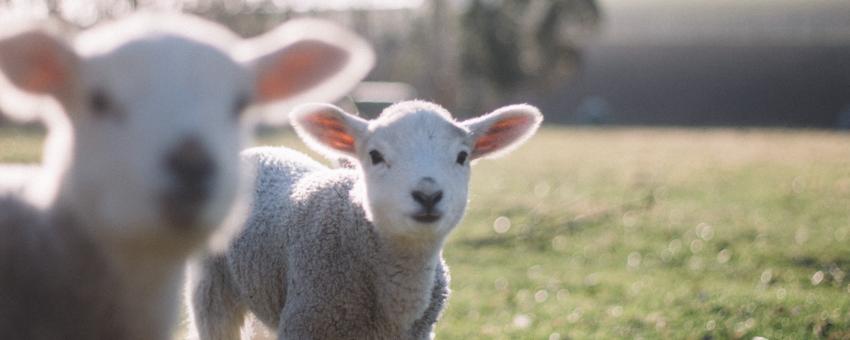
x: 192, y: 169
x: 427, y: 200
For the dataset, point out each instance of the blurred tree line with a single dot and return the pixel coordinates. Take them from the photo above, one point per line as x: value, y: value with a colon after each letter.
x: 468, y: 55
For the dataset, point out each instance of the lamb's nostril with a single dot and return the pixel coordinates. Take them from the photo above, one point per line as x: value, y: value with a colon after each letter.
x: 419, y: 197
x: 190, y: 164
x: 428, y: 200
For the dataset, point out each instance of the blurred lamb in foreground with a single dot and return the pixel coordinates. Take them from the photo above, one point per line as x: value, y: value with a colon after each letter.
x: 352, y: 253
x: 16, y: 177
x: 141, y: 166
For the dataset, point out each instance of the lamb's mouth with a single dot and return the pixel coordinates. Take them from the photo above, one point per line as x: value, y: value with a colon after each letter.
x: 182, y: 208
x: 426, y: 216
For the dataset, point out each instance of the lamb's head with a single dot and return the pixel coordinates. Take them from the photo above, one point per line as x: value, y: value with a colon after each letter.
x: 415, y: 157
x: 156, y: 108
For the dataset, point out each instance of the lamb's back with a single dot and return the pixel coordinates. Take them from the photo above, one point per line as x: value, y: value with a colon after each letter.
x: 291, y: 191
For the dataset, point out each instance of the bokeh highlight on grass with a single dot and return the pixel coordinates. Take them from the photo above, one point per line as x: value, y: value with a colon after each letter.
x: 644, y: 233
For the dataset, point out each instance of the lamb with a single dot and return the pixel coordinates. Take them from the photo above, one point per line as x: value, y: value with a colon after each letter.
x: 141, y: 164
x: 352, y: 253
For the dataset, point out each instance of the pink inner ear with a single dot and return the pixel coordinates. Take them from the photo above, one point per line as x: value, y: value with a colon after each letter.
x: 298, y: 68
x: 329, y: 130
x: 500, y: 134
x: 50, y: 75
x: 37, y: 63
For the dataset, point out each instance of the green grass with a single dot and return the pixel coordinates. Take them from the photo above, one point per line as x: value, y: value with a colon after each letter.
x: 644, y: 233
x: 20, y: 145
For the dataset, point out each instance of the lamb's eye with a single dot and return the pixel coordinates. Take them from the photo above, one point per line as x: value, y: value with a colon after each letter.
x: 376, y: 157
x: 461, y: 157
x: 100, y: 103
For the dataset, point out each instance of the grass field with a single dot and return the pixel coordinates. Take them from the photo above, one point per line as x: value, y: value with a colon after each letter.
x: 642, y: 233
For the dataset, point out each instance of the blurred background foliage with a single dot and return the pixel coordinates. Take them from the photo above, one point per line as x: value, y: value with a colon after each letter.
x: 775, y: 63
x: 469, y: 56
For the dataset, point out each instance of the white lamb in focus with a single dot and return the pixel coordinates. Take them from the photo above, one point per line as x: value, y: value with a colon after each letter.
x: 141, y: 166
x: 352, y: 253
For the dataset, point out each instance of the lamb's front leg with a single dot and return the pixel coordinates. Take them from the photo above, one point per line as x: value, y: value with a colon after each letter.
x: 424, y: 326
x: 215, y: 310
x: 302, y: 319
x: 301, y: 325
x: 312, y: 317
x: 290, y: 331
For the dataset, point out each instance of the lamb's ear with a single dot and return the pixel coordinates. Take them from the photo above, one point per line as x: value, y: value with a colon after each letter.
x: 306, y: 60
x: 328, y: 129
x: 500, y: 131
x: 37, y: 62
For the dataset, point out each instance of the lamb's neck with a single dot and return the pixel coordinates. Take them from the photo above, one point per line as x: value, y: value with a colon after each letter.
x: 407, y: 272
x: 150, y: 286
x: 146, y: 284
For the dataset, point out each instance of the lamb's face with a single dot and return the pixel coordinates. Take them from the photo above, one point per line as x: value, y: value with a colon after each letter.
x: 416, y: 171
x: 414, y: 157
x: 157, y: 126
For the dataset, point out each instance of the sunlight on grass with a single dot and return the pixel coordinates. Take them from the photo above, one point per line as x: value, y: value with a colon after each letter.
x: 626, y: 233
